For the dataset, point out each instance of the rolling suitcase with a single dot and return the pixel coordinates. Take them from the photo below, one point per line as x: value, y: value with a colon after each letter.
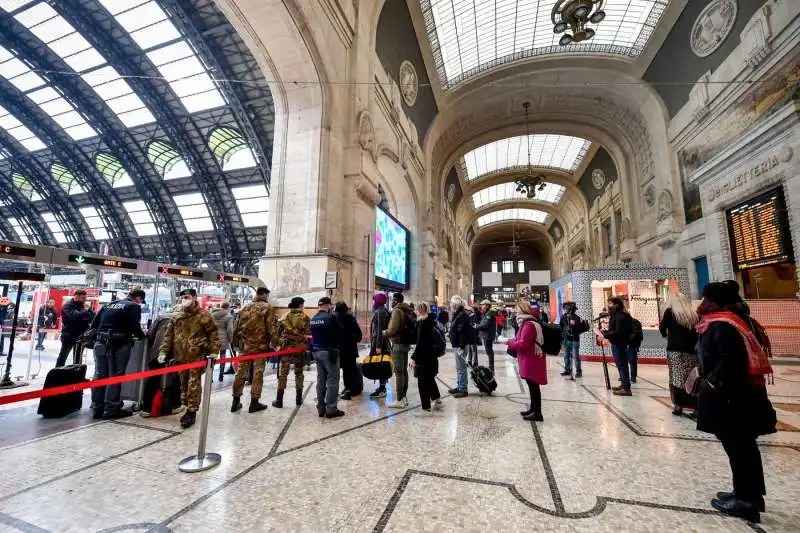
x: 483, y: 377
x: 134, y: 390
x: 63, y: 404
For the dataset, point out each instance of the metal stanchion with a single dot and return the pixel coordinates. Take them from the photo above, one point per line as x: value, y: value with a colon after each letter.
x: 203, y: 461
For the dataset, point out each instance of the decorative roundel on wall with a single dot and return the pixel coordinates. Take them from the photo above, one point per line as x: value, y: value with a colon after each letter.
x: 712, y: 27
x: 409, y: 83
x: 598, y: 178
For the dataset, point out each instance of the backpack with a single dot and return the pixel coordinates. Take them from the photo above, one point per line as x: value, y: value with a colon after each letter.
x: 552, y: 339
x: 636, y: 333
x: 408, y: 335
x: 438, y: 344
x: 761, y: 335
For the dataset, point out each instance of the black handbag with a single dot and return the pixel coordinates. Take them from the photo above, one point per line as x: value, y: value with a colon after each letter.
x: 511, y: 352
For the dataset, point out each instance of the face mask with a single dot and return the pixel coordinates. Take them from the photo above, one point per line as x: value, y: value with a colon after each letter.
x: 185, y: 303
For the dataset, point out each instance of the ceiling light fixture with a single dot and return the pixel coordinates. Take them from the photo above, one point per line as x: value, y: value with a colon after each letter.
x: 576, y: 14
x: 529, y: 184
x: 514, y: 248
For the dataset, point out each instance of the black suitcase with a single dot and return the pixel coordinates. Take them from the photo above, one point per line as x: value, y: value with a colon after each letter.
x: 63, y: 404
x: 484, y: 379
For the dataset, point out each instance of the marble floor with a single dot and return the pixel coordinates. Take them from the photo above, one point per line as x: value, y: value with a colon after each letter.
x: 597, y: 463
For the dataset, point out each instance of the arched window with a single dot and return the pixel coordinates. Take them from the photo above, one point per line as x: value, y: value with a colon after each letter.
x: 65, y: 178
x: 112, y: 170
x: 167, y: 160
x: 25, y: 187
x: 230, y: 148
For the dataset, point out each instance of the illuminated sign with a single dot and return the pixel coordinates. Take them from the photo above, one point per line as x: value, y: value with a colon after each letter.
x: 17, y: 250
x: 182, y: 271
x: 759, y: 231
x: 102, y: 262
x: 234, y: 279
x: 21, y: 276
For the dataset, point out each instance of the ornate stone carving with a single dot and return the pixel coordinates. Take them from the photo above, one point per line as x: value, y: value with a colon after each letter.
x: 366, y: 132
x: 598, y: 178
x: 626, y: 229
x: 384, y: 201
x: 665, y: 209
x: 650, y: 196
x: 699, y: 98
x: 409, y: 83
x: 367, y: 192
x: 712, y: 27
x: 756, y: 37
x: 785, y: 154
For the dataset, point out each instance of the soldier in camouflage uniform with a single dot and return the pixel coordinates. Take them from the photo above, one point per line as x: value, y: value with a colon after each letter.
x: 293, y: 330
x: 191, y: 335
x: 255, y: 329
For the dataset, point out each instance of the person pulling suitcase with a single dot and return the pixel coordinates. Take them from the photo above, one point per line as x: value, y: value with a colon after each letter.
x: 117, y: 324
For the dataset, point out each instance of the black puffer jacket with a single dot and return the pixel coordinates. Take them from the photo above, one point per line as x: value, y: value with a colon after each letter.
x: 729, y: 403
x: 379, y: 343
x: 424, y: 357
x: 75, y: 319
x: 461, y: 331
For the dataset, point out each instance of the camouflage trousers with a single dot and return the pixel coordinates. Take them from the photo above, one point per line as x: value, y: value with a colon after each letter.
x: 298, y: 360
x: 190, y: 388
x: 258, y: 377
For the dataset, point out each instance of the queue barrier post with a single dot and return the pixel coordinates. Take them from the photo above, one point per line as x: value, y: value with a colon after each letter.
x: 203, y: 460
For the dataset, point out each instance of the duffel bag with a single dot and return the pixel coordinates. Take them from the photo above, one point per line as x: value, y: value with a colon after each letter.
x: 377, y: 367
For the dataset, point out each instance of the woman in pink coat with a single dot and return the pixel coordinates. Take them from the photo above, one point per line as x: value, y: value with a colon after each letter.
x: 532, y: 361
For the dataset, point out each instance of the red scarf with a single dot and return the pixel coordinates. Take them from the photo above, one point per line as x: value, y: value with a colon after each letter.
x: 757, y: 362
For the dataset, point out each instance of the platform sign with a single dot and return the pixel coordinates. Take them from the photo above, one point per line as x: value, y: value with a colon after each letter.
x: 759, y: 231
x: 18, y: 251
x: 81, y: 259
x: 233, y: 278
x: 184, y: 272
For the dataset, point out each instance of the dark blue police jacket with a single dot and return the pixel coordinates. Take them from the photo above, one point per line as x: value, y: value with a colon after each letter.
x: 326, y: 332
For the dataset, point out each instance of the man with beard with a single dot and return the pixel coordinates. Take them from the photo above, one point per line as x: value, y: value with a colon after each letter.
x: 191, y: 335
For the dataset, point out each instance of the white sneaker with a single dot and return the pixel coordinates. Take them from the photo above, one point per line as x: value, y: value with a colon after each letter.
x: 438, y: 405
x: 398, y: 404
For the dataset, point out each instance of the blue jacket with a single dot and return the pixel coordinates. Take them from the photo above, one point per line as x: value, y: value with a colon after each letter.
x: 327, y: 332
x: 122, y: 316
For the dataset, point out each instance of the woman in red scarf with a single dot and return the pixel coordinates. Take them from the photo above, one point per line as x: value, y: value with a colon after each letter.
x: 733, y: 403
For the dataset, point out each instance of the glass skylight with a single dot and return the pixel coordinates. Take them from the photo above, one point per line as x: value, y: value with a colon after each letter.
x: 21, y: 133
x: 471, y: 36
x: 533, y: 215
x: 560, y: 152
x: 152, y: 30
x: 111, y: 168
x: 22, y: 229
x: 231, y: 149
x: 55, y: 227
x: 50, y: 101
x: 253, y: 204
x: 65, y: 178
x: 194, y: 211
x: 95, y: 222
x: 141, y: 218
x: 552, y: 194
x: 167, y: 160
x: 24, y: 185
x: 62, y: 38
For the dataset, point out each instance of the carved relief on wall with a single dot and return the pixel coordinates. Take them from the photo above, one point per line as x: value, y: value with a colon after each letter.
x: 366, y: 132
x: 626, y: 229
x: 712, y: 27
x: 409, y: 83
x: 650, y: 196
x: 598, y: 178
x: 665, y: 208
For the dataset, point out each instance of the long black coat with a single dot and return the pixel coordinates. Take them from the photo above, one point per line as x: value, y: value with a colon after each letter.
x: 729, y: 403
x: 379, y: 343
x: 426, y: 360
x: 352, y: 336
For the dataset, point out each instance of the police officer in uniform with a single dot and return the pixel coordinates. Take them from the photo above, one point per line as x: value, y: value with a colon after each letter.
x: 327, y: 335
x: 116, y: 324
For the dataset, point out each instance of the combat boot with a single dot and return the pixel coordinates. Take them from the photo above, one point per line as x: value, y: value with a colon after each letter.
x: 255, y: 406
x: 278, y: 400
x: 188, y: 419
x: 236, y: 405
x: 298, y: 400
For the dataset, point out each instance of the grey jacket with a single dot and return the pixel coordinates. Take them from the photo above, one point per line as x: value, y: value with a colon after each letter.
x: 224, y: 321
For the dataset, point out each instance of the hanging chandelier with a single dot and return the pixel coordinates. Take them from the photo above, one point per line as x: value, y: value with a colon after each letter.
x: 514, y: 248
x: 531, y: 182
x: 575, y: 15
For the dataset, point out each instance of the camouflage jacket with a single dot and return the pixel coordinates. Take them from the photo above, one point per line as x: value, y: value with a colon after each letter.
x: 255, y: 327
x: 293, y: 329
x: 191, y: 333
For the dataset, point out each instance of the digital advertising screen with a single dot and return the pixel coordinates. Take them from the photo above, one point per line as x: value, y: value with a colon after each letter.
x: 391, y: 251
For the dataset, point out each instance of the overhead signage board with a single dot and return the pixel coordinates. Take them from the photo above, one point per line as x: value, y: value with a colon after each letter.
x: 759, y: 231
x: 81, y: 259
x: 233, y: 278
x: 183, y: 272
x: 21, y: 276
x: 13, y: 250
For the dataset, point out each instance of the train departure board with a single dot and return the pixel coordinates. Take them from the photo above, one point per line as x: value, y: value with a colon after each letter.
x: 759, y: 231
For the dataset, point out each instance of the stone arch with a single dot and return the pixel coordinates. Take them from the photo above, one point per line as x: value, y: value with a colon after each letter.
x: 277, y: 35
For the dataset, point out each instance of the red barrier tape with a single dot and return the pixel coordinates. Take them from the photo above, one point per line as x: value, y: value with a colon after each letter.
x: 64, y: 389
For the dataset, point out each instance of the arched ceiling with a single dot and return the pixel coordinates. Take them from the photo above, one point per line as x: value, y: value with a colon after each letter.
x: 142, y: 124
x: 527, y: 234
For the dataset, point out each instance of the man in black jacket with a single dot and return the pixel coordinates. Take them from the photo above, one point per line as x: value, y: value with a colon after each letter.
x: 351, y: 376
x: 571, y: 329
x: 487, y: 328
x: 461, y: 333
x: 618, y: 334
x: 75, y: 320
x: 48, y: 317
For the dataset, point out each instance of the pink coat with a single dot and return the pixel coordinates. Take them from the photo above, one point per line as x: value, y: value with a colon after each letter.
x: 532, y: 362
